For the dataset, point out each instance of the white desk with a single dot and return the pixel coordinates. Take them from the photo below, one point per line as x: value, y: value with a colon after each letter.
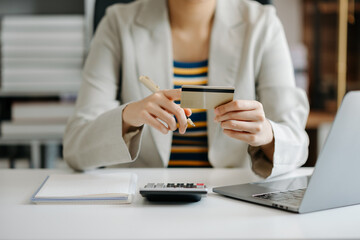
x: 213, y: 217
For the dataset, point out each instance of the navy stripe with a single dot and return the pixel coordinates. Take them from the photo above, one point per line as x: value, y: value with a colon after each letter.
x: 189, y: 144
x: 189, y: 89
x: 187, y: 166
x: 202, y: 138
x: 180, y: 86
x: 190, y: 156
x: 198, y: 117
x: 191, y: 64
x: 197, y: 129
x: 191, y: 76
x: 190, y: 138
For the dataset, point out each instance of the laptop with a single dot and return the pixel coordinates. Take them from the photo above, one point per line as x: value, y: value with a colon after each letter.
x: 335, y: 181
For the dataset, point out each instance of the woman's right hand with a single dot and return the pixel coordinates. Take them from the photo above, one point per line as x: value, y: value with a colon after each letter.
x: 159, y: 105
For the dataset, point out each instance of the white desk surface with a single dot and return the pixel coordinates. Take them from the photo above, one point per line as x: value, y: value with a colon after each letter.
x: 214, y: 217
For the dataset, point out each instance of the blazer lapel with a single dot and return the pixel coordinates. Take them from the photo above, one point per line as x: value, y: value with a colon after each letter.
x: 227, y: 39
x: 153, y: 50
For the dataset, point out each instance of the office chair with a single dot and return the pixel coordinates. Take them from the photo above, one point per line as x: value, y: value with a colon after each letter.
x: 100, y: 8
x: 264, y: 2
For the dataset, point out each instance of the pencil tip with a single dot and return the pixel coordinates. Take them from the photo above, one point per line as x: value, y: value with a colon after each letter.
x: 191, y: 122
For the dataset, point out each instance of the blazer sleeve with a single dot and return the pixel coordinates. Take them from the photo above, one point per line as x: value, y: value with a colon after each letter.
x: 93, y: 135
x: 285, y: 105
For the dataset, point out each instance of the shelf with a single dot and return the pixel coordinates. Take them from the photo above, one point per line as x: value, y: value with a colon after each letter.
x: 44, y: 148
x: 36, y: 94
x: 330, y: 7
x: 41, y: 7
x: 333, y: 7
x: 316, y: 118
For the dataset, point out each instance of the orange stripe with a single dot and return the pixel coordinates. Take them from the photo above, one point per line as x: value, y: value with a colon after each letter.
x: 190, y: 71
x: 190, y: 82
x: 188, y: 163
x: 197, y: 124
x: 197, y: 110
x: 197, y: 134
x: 188, y: 150
x: 188, y: 142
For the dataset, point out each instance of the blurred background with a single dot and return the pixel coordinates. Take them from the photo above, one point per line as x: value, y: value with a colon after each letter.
x: 44, y: 44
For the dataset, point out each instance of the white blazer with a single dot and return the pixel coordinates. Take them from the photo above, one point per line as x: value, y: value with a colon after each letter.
x: 248, y: 50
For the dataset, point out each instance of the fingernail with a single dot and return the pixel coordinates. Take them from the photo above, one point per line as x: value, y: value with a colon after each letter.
x: 216, y: 111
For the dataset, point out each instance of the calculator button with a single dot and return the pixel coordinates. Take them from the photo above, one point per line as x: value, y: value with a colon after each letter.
x: 170, y: 185
x: 150, y: 185
x: 159, y: 185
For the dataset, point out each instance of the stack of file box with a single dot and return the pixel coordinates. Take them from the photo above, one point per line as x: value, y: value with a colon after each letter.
x: 42, y: 53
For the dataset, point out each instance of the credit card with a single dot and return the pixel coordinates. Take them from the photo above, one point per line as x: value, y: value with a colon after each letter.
x: 205, y: 97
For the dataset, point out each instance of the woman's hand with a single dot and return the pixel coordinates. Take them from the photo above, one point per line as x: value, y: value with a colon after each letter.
x: 245, y: 120
x: 159, y: 105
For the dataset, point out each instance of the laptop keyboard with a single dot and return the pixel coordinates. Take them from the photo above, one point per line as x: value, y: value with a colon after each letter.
x: 292, y: 197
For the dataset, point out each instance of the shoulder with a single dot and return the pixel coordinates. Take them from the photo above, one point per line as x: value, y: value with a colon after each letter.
x: 127, y: 13
x: 262, y: 19
x: 253, y: 11
x: 124, y: 12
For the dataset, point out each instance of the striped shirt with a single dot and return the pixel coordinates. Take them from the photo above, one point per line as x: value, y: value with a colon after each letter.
x: 191, y: 149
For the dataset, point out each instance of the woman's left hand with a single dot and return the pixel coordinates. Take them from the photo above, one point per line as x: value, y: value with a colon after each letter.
x: 245, y: 120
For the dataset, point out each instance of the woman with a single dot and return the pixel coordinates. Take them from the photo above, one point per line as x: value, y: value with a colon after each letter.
x: 236, y: 43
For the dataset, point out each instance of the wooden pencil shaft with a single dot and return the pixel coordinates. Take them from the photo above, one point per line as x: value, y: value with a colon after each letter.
x: 149, y: 84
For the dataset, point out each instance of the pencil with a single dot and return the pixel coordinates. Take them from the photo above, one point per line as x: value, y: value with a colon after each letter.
x: 150, y: 84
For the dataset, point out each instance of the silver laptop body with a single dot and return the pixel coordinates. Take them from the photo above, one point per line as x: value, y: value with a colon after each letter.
x: 335, y: 181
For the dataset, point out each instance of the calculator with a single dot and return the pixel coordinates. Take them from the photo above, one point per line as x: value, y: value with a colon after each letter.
x: 174, y: 192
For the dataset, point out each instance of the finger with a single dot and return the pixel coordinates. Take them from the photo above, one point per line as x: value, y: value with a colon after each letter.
x: 153, y: 122
x: 237, y: 105
x: 172, y: 94
x: 249, y: 138
x: 176, y: 110
x: 250, y: 116
x: 164, y: 115
x: 240, y: 126
x: 181, y: 118
x: 188, y: 112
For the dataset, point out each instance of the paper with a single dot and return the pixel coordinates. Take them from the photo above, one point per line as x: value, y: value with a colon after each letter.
x: 87, y: 187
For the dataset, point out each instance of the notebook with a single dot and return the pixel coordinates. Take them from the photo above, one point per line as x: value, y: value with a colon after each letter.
x: 86, y: 188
